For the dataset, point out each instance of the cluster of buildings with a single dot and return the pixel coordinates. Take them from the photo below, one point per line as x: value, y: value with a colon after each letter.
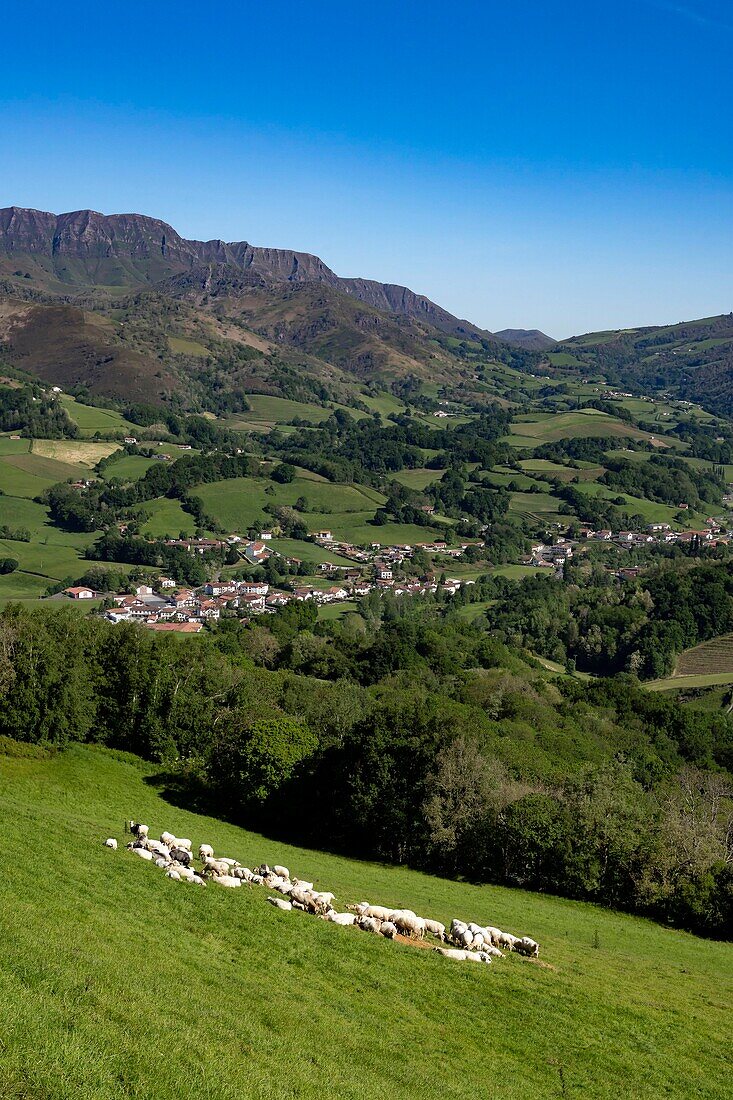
x: 554, y: 556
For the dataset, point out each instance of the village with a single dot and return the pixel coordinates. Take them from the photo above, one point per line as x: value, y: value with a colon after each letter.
x: 162, y: 604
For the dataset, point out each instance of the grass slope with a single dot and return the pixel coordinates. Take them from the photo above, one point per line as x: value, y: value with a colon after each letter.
x: 116, y: 982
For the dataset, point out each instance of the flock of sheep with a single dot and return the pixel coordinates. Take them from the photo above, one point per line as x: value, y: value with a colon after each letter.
x: 474, y: 942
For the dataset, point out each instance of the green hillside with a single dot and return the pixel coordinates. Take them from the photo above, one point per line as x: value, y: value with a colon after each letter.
x: 117, y: 982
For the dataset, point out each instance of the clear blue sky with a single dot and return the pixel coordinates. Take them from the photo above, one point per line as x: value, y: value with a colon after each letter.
x: 563, y: 164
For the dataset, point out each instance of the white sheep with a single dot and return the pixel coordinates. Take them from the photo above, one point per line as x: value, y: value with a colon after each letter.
x: 160, y: 862
x: 226, y: 880
x: 346, y: 920
x: 462, y: 956
x: 280, y: 903
x: 168, y: 839
x: 435, y: 928
x: 138, y: 830
x: 142, y: 852
x: 506, y: 939
x: 526, y: 946
x: 110, y: 842
x: 409, y: 923
x: 174, y: 874
x: 388, y: 929
x: 281, y: 871
x: 228, y: 860
x: 256, y: 880
x: 216, y: 867
x: 206, y: 850
x: 198, y: 880
x: 302, y: 883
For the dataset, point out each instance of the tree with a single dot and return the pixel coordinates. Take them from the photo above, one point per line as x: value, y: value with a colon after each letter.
x: 283, y: 473
x: 255, y: 757
x: 8, y: 565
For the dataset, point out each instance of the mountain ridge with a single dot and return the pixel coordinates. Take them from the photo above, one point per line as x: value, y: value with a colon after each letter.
x: 86, y: 248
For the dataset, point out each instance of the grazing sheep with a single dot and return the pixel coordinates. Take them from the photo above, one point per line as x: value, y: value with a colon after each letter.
x: 526, y: 946
x: 142, y: 852
x: 280, y: 903
x: 281, y: 871
x: 206, y: 850
x: 216, y: 867
x: 226, y: 880
x: 159, y: 861
x: 410, y: 924
x: 435, y: 928
x: 346, y: 920
x: 369, y: 924
x: 186, y: 873
x: 110, y: 842
x: 168, y: 839
x: 388, y: 929
x: 174, y: 874
x: 228, y: 860
x: 302, y: 883
x: 327, y: 899
x: 494, y: 934
x: 506, y: 939
x: 181, y: 855
x: 489, y: 950
x: 256, y: 880
x: 138, y: 830
x: 462, y: 956
x: 298, y: 905
x: 184, y: 842
x: 198, y: 880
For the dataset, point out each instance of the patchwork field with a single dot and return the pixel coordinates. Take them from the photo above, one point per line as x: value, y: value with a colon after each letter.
x: 74, y: 451
x: 249, y: 990
x: 532, y: 431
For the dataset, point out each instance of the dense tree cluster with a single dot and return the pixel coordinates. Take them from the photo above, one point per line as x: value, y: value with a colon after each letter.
x: 30, y: 411
x: 639, y: 626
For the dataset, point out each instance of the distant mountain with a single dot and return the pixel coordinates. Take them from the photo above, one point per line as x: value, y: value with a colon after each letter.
x: 530, y: 338
x: 85, y: 249
x: 692, y: 359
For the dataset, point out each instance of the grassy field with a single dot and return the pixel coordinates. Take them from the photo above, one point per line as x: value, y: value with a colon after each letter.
x: 418, y: 479
x: 74, y: 451
x: 107, y: 965
x: 532, y: 431
x: 128, y: 467
x: 181, y: 345
x: 649, y: 509
x: 535, y: 507
x: 91, y: 420
x: 167, y: 517
x: 333, y: 611
x: 238, y: 503
x: 696, y: 680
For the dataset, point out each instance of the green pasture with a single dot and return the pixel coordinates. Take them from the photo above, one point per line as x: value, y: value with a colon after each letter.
x: 117, y: 982
x: 166, y: 517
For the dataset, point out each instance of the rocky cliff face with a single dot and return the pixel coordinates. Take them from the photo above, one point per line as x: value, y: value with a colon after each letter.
x: 84, y: 249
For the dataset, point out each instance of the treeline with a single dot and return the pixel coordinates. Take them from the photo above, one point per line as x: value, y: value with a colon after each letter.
x: 417, y: 739
x: 666, y: 480
x: 603, y: 626
x: 365, y: 450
